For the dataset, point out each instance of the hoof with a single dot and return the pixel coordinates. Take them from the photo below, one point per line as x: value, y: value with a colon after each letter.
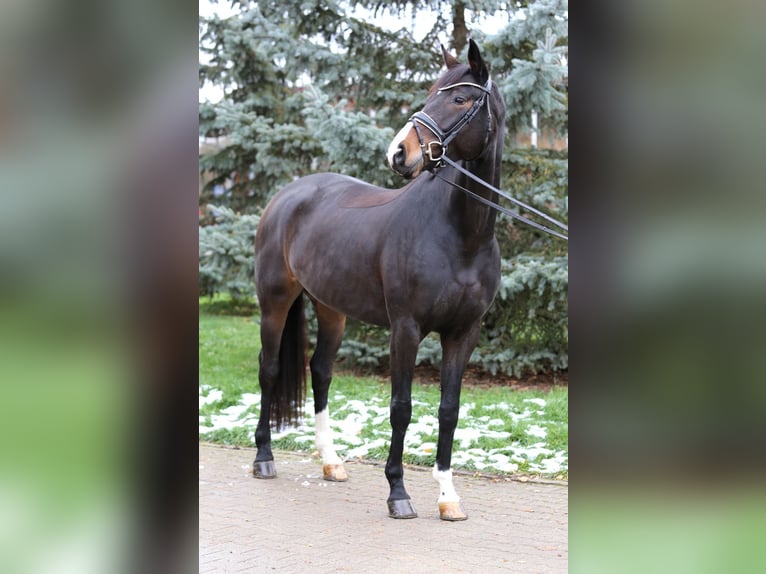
x: 334, y: 473
x: 451, y: 511
x: 264, y: 469
x: 401, y: 509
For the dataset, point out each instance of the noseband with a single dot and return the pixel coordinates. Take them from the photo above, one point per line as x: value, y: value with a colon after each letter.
x: 445, y: 137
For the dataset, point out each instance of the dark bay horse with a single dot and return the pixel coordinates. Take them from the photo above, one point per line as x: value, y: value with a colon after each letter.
x: 419, y: 259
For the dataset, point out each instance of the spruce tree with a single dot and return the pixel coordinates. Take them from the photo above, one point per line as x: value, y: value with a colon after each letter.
x: 315, y: 85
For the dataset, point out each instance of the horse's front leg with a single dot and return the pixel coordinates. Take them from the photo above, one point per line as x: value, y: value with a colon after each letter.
x: 405, y: 338
x: 456, y: 350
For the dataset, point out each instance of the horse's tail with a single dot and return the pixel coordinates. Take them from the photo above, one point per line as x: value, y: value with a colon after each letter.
x: 290, y: 388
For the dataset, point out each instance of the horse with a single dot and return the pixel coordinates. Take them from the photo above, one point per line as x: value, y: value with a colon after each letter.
x: 417, y: 260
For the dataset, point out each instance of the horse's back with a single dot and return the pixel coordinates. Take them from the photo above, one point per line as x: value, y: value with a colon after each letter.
x: 326, y: 190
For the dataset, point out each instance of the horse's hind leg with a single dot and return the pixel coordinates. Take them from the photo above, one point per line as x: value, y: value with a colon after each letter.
x: 274, y: 311
x: 329, y: 336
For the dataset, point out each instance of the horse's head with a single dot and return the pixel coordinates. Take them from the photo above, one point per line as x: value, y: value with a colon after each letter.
x: 460, y: 118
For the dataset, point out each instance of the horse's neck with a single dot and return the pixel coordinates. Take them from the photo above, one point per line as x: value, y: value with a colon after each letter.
x: 476, y: 220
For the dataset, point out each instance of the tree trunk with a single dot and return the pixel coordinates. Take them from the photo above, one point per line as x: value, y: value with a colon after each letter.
x: 459, y: 31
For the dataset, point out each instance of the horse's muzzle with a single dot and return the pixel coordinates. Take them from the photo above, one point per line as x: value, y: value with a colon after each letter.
x: 404, y: 155
x: 397, y: 161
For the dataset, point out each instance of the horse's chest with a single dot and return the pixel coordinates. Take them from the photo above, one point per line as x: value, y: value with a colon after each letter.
x: 466, y: 289
x: 464, y: 297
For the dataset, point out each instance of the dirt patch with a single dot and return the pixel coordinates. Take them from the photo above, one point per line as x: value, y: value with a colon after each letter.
x: 479, y: 378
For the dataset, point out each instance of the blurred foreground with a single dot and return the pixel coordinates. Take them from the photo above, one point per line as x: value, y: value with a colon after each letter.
x: 667, y: 291
x: 98, y: 193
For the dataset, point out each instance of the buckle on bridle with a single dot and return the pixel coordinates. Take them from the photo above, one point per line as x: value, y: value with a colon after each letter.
x: 428, y: 151
x: 427, y: 148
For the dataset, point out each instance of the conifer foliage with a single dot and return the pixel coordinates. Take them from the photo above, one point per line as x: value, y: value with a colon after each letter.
x: 316, y: 85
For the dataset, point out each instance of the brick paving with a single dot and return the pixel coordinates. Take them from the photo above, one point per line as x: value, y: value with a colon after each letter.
x: 300, y: 523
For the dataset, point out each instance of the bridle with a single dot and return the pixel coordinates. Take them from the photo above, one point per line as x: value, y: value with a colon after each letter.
x: 444, y: 138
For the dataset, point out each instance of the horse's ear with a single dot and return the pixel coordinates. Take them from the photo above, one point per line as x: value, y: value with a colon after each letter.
x: 449, y: 60
x: 478, y: 67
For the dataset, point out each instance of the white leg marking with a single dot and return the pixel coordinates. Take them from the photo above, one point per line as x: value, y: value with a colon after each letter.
x: 324, y: 442
x: 394, y: 147
x: 446, y: 490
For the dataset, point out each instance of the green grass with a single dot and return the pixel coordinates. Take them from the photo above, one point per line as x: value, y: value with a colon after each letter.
x: 229, y: 347
x: 225, y: 305
x: 228, y: 356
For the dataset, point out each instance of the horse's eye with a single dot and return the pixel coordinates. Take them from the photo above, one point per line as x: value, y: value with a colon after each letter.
x: 459, y: 100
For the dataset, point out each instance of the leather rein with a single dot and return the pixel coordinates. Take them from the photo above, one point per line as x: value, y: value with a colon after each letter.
x: 443, y: 139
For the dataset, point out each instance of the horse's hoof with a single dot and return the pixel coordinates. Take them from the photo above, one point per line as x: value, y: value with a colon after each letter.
x: 401, y: 509
x: 451, y: 511
x: 264, y: 469
x: 334, y: 473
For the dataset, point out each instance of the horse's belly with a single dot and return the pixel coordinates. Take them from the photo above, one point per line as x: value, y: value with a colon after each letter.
x: 355, y: 303
x: 347, y: 286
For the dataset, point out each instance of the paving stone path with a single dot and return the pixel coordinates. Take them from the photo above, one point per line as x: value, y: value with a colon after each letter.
x: 300, y: 523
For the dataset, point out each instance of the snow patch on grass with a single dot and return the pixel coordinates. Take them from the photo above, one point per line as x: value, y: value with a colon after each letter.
x: 361, y: 428
x: 211, y: 396
x: 536, y: 401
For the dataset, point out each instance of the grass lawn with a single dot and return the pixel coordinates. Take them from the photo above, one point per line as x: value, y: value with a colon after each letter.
x: 500, y: 430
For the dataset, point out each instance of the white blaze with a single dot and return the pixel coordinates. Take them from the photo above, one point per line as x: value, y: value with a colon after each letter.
x: 394, y: 147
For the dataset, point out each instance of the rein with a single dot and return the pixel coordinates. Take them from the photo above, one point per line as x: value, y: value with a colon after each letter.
x: 443, y: 140
x: 500, y: 208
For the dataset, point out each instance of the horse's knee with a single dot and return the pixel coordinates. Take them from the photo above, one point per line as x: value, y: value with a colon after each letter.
x: 401, y: 414
x: 448, y: 416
